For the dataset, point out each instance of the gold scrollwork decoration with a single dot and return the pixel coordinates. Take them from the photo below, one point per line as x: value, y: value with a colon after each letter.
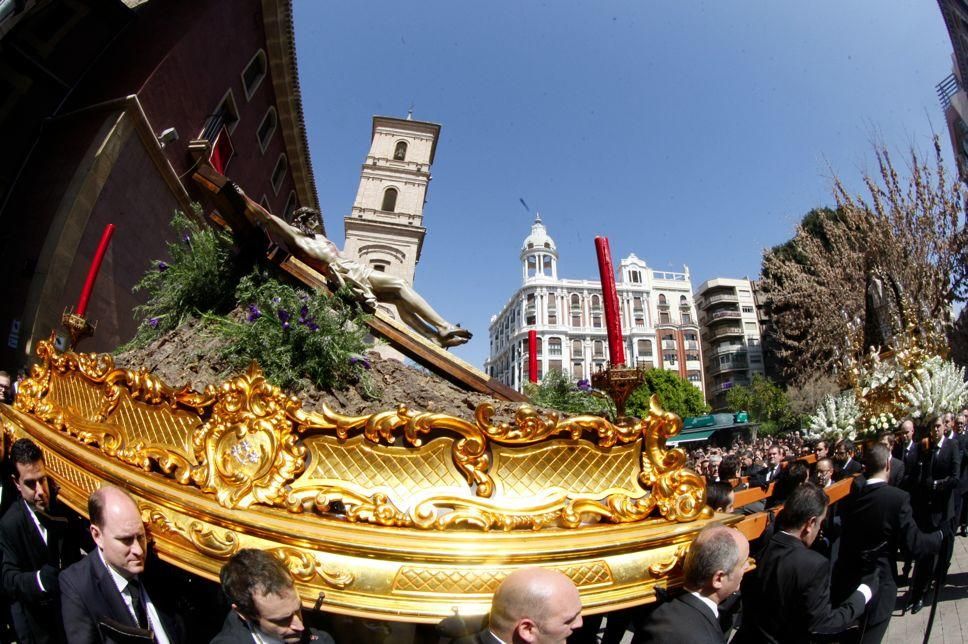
x: 664, y: 567
x: 305, y: 566
x: 679, y: 493
x: 247, y: 450
x: 196, y: 534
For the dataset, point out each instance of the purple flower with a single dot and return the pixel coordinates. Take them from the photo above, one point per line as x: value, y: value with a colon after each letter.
x: 276, y: 300
x: 187, y: 238
x: 304, y: 312
x: 313, y: 326
x: 285, y: 326
x: 360, y: 360
x: 153, y: 323
x: 584, y: 385
x: 163, y: 266
x: 254, y: 313
x: 283, y: 315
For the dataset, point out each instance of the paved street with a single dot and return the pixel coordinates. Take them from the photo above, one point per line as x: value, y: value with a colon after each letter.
x: 951, y: 622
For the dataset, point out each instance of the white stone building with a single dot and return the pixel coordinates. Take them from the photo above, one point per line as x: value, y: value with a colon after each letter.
x: 659, y: 324
x: 385, y: 228
x: 731, y: 337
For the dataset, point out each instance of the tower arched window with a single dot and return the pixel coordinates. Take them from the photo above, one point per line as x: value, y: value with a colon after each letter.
x: 662, y: 299
x: 400, y: 151
x: 389, y: 200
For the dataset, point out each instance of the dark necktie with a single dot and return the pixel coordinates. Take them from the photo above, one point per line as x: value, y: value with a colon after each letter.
x: 137, y: 602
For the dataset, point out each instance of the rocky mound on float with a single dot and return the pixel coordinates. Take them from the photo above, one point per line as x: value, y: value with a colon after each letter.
x: 189, y: 355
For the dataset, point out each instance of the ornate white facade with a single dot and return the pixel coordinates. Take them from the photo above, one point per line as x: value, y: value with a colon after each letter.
x: 385, y: 228
x: 730, y: 334
x: 659, y: 324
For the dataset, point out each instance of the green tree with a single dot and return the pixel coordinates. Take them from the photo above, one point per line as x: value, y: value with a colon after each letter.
x: 676, y: 394
x: 557, y: 391
x: 766, y: 403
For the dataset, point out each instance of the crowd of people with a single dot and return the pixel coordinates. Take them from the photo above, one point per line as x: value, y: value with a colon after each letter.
x: 822, y: 572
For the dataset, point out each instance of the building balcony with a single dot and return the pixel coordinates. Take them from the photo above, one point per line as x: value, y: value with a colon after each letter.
x: 669, y: 344
x: 692, y: 345
x: 727, y: 367
x: 719, y: 297
x: 726, y: 331
x: 724, y: 315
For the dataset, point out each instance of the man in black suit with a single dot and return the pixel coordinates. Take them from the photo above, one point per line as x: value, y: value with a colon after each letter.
x: 38, y: 539
x: 906, y: 450
x: 844, y: 452
x: 265, y: 606
x: 879, y: 522
x: 897, y: 465
x: 939, y: 472
x: 533, y: 605
x: 712, y: 572
x: 961, y: 427
x: 105, y: 597
x: 787, y: 597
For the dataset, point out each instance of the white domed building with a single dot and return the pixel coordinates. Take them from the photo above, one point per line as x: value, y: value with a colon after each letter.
x: 659, y: 325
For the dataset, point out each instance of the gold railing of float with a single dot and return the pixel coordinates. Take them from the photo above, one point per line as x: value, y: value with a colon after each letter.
x: 397, y: 515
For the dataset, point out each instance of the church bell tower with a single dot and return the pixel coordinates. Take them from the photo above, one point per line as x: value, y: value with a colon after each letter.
x: 385, y: 228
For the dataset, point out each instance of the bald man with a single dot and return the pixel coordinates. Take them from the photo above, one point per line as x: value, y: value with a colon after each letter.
x: 104, y: 597
x: 533, y: 605
x: 713, y: 569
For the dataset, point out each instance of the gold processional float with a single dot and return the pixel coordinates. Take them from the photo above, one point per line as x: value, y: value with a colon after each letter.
x: 400, y: 515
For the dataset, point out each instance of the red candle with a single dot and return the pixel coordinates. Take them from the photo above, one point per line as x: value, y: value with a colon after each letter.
x: 613, y: 324
x: 532, y: 356
x: 93, y: 270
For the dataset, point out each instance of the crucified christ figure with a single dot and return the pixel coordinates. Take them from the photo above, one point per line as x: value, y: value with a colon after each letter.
x: 303, y: 240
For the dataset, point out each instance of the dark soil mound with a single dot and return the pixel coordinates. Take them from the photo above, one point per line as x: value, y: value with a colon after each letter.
x: 190, y: 355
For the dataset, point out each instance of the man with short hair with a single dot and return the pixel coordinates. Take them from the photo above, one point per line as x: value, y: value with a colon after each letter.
x: 265, y: 605
x: 906, y: 451
x: 787, y: 597
x: 773, y: 459
x: 939, y: 472
x: 823, y: 474
x: 6, y: 388
x: 533, y: 605
x: 897, y: 465
x: 713, y: 569
x: 877, y: 524
x: 38, y: 539
x: 844, y: 452
x: 821, y: 450
x: 105, y: 596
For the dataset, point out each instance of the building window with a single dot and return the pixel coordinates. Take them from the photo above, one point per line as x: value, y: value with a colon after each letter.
x: 532, y: 266
x: 552, y: 310
x: 538, y: 346
x: 575, y: 311
x: 747, y: 309
x: 253, y: 74
x: 636, y: 277
x: 290, y: 205
x: 686, y: 318
x: 400, y: 151
x: 266, y: 129
x: 664, y: 318
x: 662, y: 299
x: 279, y: 173
x: 554, y: 365
x: 378, y: 267
x: 554, y: 347
x: 669, y: 358
x: 576, y: 349
x: 598, y: 348
x: 644, y: 348
x: 577, y: 371
x: 389, y: 200
x: 683, y: 301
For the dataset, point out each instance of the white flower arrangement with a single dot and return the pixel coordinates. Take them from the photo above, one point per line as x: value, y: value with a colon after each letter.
x: 836, y: 417
x: 881, y: 423
x: 937, y: 387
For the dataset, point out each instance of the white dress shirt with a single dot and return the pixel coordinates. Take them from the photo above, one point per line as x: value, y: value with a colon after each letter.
x: 712, y: 605
x: 154, y: 621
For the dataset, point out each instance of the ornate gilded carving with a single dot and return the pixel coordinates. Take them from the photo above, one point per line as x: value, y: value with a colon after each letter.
x: 305, y: 566
x: 218, y: 545
x: 665, y: 566
x: 247, y: 452
x: 250, y: 442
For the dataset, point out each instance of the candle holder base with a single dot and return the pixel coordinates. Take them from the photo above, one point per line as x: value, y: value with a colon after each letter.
x: 618, y: 381
x: 78, y: 327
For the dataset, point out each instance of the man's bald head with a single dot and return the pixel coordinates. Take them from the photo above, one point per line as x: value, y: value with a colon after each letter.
x: 535, y: 605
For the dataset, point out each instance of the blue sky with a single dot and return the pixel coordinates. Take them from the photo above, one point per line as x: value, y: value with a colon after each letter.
x: 693, y: 133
